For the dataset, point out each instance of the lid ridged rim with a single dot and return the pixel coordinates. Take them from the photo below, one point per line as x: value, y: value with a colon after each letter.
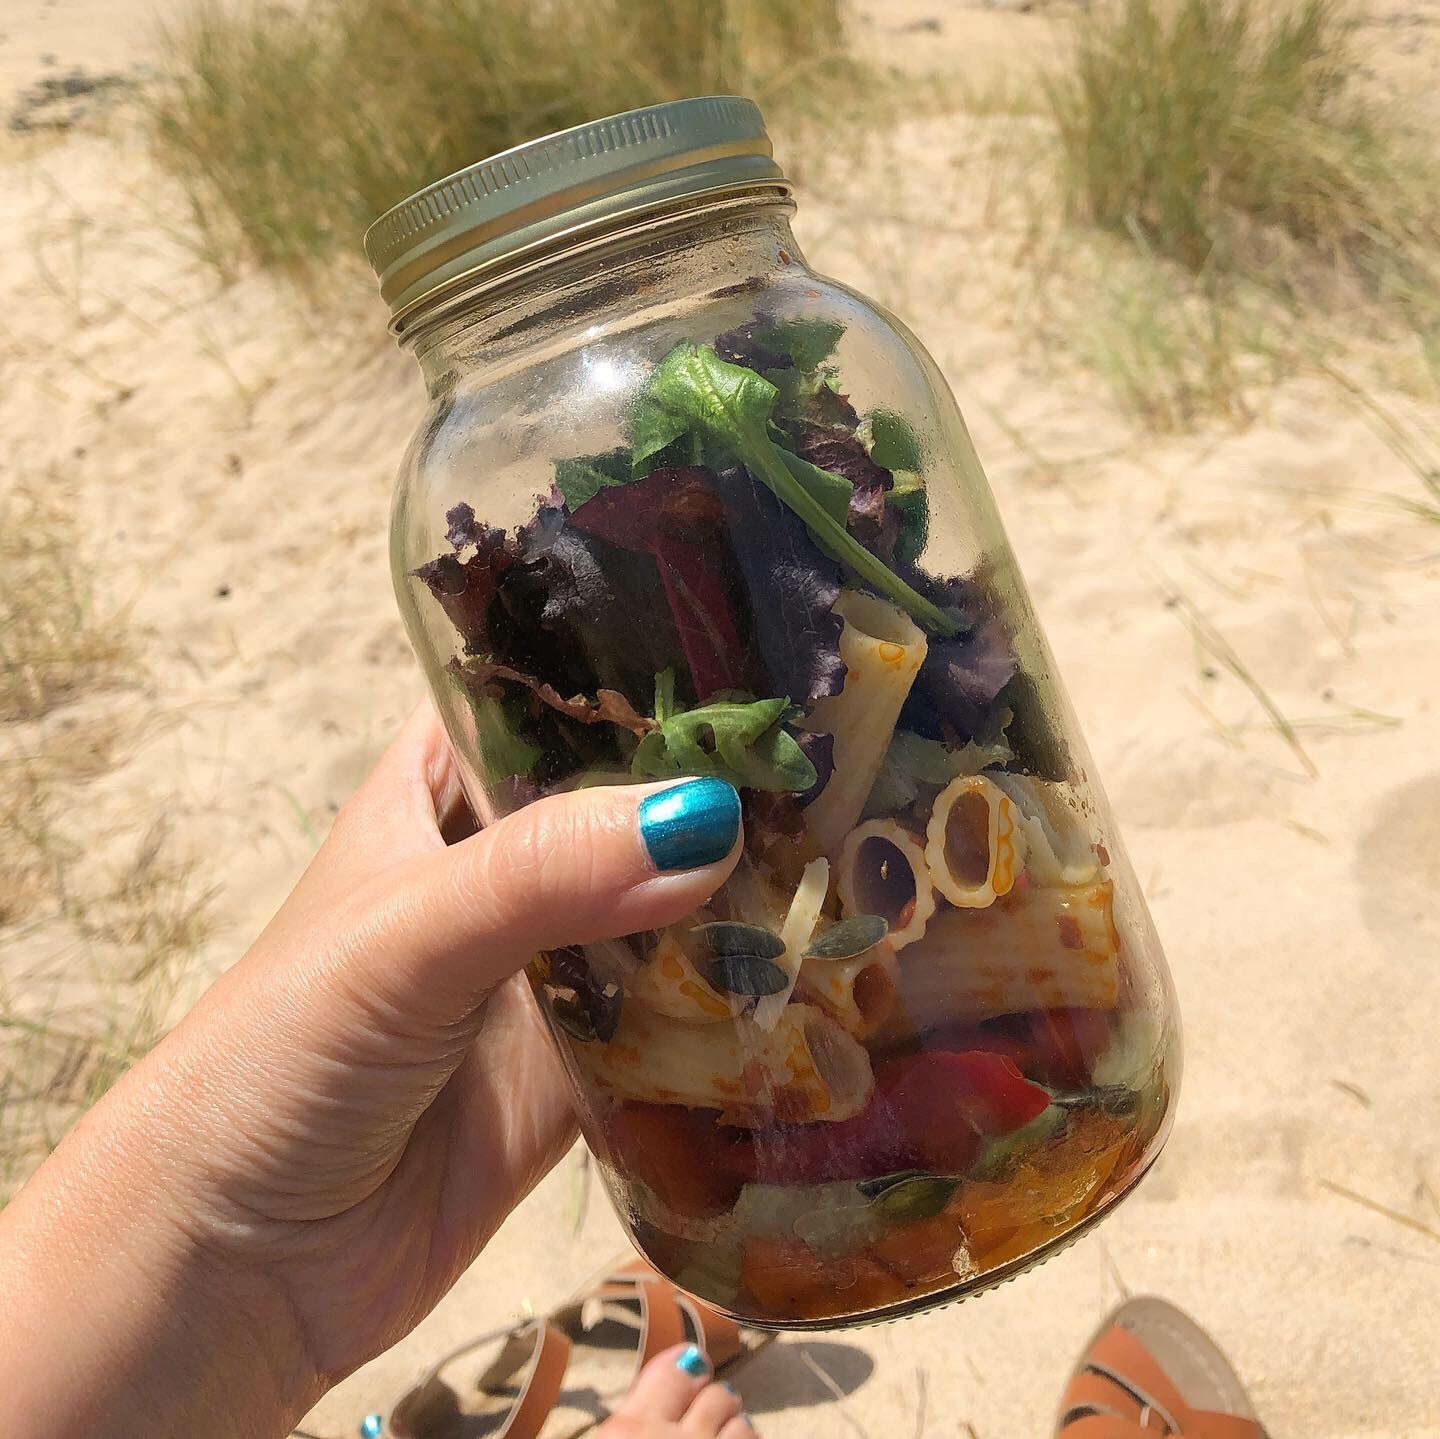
x: 569, y: 181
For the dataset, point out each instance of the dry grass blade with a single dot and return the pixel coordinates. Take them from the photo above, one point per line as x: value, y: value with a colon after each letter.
x: 835, y: 1392
x: 1383, y: 1209
x: 56, y: 639
x: 1223, y: 652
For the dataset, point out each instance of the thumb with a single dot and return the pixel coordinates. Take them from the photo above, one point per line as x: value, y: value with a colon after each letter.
x: 594, y: 864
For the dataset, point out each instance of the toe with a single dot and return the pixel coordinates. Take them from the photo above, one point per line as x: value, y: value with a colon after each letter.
x: 739, y: 1427
x: 714, y: 1407
x: 668, y: 1385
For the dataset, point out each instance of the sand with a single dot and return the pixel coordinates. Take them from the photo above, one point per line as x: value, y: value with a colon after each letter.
x: 233, y: 459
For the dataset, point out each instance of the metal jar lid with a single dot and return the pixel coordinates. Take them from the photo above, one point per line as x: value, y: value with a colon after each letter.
x: 561, y: 186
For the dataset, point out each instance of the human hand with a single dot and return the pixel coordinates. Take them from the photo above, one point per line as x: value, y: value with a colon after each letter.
x: 294, y: 1177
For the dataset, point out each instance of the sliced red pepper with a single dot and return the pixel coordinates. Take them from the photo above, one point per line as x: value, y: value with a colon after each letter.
x: 1069, y: 1042
x: 985, y: 1091
x: 929, y: 1111
x: 676, y: 1152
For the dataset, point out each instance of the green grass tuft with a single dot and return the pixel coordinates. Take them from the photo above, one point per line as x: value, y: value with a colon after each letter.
x: 1261, y: 202
x: 1213, y: 126
x: 292, y: 129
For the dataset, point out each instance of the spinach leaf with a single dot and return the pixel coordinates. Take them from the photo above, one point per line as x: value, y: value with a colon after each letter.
x: 892, y: 442
x: 503, y: 753
x: 583, y: 478
x: 743, y: 742
x: 911, y: 502
x: 694, y: 389
x: 830, y: 491
x: 913, y: 762
x: 807, y: 343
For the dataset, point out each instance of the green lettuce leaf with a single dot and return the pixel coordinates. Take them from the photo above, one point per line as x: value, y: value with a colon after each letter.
x: 693, y: 389
x: 583, y: 478
x: 892, y: 442
x: 913, y: 763
x: 744, y: 742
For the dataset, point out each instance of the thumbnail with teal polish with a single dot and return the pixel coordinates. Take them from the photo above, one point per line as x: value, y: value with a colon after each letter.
x: 690, y: 824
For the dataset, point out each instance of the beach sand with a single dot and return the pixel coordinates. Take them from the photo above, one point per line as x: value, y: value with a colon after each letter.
x: 232, y: 458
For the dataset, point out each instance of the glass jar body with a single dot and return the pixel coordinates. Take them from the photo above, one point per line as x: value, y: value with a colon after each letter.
x: 685, y: 507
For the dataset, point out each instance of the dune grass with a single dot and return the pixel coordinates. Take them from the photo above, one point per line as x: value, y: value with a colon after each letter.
x: 1218, y: 130
x: 292, y: 128
x: 55, y: 641
x: 94, y: 925
x: 1258, y: 192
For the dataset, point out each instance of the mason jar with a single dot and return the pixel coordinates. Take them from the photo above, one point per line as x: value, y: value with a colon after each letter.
x: 681, y: 506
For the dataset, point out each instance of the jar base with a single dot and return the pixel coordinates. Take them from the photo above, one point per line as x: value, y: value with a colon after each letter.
x: 939, y: 1299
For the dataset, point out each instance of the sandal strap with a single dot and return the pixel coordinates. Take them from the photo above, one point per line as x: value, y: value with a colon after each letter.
x: 1120, y: 1392
x: 664, y: 1310
x: 432, y: 1410
x: 1094, y: 1425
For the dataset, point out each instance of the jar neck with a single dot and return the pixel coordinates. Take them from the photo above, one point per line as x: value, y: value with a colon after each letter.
x: 703, y: 250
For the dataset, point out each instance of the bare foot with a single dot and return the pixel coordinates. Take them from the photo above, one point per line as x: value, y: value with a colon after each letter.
x: 674, y: 1399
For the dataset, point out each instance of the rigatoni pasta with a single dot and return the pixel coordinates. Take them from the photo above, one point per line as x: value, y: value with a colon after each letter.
x: 860, y: 993
x: 973, y: 849
x: 806, y: 1069
x: 882, y: 870
x: 670, y: 984
x: 1046, y: 947
x: 883, y: 650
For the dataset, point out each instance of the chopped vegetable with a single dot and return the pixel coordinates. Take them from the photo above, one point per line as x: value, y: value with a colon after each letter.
x: 694, y: 389
x: 743, y: 742
x: 674, y: 1151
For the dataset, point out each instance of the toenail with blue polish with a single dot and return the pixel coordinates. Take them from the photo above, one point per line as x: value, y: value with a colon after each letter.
x: 690, y: 1359
x: 371, y: 1427
x: 690, y: 824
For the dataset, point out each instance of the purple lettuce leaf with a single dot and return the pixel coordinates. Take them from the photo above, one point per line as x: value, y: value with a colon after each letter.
x: 791, y: 587
x: 675, y: 518
x: 467, y: 587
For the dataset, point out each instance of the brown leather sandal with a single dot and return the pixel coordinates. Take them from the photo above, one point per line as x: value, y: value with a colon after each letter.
x: 521, y: 1387
x: 1151, y: 1370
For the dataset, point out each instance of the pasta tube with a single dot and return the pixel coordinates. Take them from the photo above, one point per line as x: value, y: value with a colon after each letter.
x: 669, y: 983
x: 807, y: 1068
x: 1059, y: 849
x: 883, y: 651
x: 1043, y: 948
x: 796, y: 931
x: 882, y: 870
x: 858, y: 992
x: 973, y: 848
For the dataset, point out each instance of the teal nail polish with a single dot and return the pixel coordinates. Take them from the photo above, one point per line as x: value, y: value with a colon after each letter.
x: 690, y: 824
x: 690, y: 1359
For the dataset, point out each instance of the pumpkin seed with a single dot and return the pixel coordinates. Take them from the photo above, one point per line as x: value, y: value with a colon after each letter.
x: 848, y: 938
x: 727, y: 937
x: 752, y: 975
x: 594, y: 1013
x: 602, y: 1004
x: 922, y: 1196
x: 871, y: 1188
x: 1117, y: 1100
x: 571, y: 1017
